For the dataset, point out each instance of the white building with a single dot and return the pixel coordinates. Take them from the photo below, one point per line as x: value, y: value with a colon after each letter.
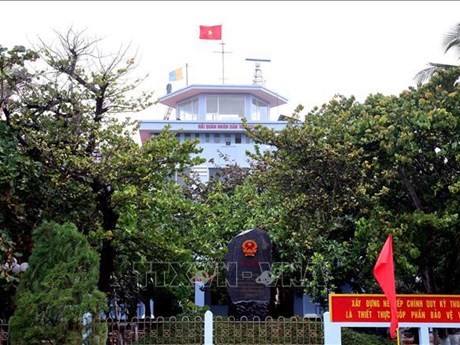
x: 213, y: 114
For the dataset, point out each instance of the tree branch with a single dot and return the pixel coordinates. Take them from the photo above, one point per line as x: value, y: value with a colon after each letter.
x: 410, y: 188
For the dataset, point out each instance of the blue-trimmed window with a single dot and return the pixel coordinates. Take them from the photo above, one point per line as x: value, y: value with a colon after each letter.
x: 224, y: 107
x: 188, y: 110
x: 259, y: 110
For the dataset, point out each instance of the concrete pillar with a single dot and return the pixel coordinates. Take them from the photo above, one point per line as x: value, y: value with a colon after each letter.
x: 199, y: 294
x: 208, y: 328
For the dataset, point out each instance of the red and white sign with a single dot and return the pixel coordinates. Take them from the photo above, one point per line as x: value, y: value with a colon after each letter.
x: 411, y: 308
x: 210, y: 125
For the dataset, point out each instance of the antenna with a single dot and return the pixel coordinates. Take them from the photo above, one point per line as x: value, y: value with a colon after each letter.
x: 258, y: 79
x: 223, y: 52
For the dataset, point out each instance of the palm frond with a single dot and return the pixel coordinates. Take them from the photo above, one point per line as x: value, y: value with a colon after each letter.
x: 457, y: 82
x: 441, y: 65
x: 426, y: 73
x: 452, y: 38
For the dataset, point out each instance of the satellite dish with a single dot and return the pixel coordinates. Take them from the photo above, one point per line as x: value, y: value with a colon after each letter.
x: 168, y: 88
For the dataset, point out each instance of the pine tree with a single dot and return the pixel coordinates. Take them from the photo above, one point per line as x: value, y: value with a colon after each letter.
x: 58, y: 289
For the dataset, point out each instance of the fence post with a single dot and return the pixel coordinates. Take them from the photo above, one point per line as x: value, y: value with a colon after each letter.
x: 208, y: 328
x: 332, y: 332
x: 424, y: 334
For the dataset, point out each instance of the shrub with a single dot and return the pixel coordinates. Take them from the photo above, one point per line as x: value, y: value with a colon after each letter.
x: 353, y: 337
x: 58, y: 289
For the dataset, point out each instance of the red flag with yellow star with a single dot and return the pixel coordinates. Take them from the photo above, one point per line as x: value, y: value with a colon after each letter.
x: 211, y: 32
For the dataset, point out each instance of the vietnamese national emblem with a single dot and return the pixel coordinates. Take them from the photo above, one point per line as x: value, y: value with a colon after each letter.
x: 249, y: 248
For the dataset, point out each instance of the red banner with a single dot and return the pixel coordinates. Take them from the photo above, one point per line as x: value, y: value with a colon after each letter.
x: 411, y: 308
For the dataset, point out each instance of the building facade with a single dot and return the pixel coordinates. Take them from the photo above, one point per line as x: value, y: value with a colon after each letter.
x: 213, y: 114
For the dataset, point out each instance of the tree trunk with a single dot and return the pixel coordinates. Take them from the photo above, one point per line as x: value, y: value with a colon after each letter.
x: 109, y: 222
x: 428, y: 280
x: 428, y: 262
x: 106, y: 265
x: 410, y: 188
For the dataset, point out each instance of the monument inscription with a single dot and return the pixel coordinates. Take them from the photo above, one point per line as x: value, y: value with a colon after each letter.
x: 249, y: 279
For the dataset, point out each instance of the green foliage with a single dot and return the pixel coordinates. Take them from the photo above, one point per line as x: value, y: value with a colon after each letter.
x: 59, y: 287
x: 13, y: 73
x: 224, y: 207
x: 414, y: 155
x: 20, y: 189
x: 313, y: 182
x: 355, y: 337
x: 353, y: 172
x: 192, y: 311
x: 19, y: 186
x: 19, y: 175
x: 66, y: 133
x: 335, y: 186
x: 155, y: 215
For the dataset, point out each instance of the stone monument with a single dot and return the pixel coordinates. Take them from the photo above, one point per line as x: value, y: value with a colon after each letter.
x: 249, y: 279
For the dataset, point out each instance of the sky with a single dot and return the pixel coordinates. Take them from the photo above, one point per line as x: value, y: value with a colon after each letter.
x: 317, y: 48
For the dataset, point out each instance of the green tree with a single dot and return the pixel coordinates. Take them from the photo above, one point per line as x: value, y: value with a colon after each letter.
x: 20, y: 188
x: 353, y: 172
x: 66, y: 121
x: 412, y: 146
x: 20, y: 183
x: 313, y: 181
x: 155, y: 215
x: 56, y: 291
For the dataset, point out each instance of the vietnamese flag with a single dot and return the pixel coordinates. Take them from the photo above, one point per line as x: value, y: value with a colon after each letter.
x: 385, y: 276
x: 211, y: 32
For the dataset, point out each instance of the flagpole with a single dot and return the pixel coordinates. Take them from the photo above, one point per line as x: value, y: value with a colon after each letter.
x: 223, y: 70
x: 186, y: 74
x: 398, y: 339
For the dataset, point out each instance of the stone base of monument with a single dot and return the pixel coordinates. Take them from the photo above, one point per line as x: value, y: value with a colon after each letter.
x: 249, y: 309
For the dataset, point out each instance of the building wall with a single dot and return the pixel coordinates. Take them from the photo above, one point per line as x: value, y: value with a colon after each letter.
x: 219, y: 129
x: 217, y: 139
